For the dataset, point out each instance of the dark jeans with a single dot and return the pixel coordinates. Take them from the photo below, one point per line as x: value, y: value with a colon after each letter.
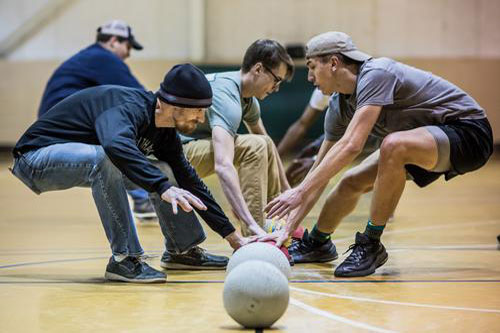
x: 63, y: 166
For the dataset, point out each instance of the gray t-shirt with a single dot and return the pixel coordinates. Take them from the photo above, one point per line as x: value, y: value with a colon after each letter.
x: 337, y: 117
x: 409, y: 98
x: 228, y: 107
x: 336, y: 122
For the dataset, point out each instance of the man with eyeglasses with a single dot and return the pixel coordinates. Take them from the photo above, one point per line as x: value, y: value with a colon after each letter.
x: 248, y: 166
x: 101, y: 63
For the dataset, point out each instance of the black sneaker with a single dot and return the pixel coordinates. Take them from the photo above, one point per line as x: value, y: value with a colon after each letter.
x: 366, y: 256
x: 144, y: 209
x: 132, y: 269
x: 194, y: 259
x: 306, y: 250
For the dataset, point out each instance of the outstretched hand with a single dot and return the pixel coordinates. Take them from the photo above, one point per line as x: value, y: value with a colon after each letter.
x: 283, y: 204
x: 299, y: 168
x: 311, y: 149
x: 185, y: 199
x: 279, y: 236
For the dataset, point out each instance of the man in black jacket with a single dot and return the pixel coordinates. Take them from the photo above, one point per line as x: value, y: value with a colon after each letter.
x: 97, y: 135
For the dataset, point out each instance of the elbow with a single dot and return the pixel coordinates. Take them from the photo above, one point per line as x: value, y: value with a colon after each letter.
x: 108, y: 147
x: 112, y: 148
x: 352, y: 148
x: 222, y: 169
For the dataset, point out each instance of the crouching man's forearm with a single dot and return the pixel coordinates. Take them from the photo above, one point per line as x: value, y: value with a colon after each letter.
x: 235, y: 240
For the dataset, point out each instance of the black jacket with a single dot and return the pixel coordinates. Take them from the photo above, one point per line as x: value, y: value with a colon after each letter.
x: 121, y: 120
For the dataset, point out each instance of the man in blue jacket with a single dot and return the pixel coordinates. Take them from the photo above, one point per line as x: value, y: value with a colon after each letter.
x: 96, y: 136
x: 98, y: 64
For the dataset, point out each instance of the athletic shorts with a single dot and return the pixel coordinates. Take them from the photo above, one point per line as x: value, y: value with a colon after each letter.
x: 471, y: 145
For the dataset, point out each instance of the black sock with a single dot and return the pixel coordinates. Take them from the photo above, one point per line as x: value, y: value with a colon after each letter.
x: 318, y: 236
x: 374, y: 231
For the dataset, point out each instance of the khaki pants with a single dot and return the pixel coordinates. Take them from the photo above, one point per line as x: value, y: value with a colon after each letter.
x: 255, y: 162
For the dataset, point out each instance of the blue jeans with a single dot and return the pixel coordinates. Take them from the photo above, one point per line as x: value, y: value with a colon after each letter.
x: 63, y: 166
x: 167, y: 214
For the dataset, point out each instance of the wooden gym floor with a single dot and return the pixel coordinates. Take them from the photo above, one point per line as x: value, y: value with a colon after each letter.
x: 443, y: 272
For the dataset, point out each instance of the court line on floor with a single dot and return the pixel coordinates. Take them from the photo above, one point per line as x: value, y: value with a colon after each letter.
x: 66, y: 251
x: 351, y: 281
x: 336, y: 240
x: 471, y: 247
x: 457, y: 247
x: 489, y: 246
x: 51, y: 262
x: 372, y: 300
x: 292, y: 281
x: 61, y: 253
x: 338, y: 318
x: 433, y: 227
x: 395, y: 281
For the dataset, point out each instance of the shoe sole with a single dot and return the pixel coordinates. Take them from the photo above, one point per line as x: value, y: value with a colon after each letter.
x: 115, y: 277
x: 366, y: 272
x: 316, y: 260
x: 190, y: 267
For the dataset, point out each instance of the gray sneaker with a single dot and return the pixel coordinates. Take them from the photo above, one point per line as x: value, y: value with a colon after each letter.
x: 132, y: 269
x: 194, y: 259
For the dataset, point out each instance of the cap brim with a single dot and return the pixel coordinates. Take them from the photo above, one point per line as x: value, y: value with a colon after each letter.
x: 135, y: 45
x: 357, y: 55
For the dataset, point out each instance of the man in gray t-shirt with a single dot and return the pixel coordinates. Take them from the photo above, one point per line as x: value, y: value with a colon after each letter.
x: 248, y: 166
x: 429, y: 128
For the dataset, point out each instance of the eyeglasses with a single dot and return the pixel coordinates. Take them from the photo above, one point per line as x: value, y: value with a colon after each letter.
x: 277, y: 79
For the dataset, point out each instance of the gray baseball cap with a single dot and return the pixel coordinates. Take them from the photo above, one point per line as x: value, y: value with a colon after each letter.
x: 334, y: 42
x: 121, y: 29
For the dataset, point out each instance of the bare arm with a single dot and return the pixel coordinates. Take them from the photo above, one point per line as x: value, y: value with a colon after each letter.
x: 224, y: 155
x: 298, y: 129
x: 346, y: 149
x: 299, y: 200
x: 301, y: 166
x: 325, y: 147
x: 258, y: 128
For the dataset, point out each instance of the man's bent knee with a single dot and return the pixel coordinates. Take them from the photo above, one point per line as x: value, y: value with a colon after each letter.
x: 252, y: 146
x: 268, y: 140
x: 393, y: 146
x: 103, y: 164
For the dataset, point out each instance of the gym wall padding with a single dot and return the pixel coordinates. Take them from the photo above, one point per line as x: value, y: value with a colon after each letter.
x: 23, y: 82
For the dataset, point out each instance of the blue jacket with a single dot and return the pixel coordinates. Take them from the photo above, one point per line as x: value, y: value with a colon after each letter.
x: 92, y: 66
